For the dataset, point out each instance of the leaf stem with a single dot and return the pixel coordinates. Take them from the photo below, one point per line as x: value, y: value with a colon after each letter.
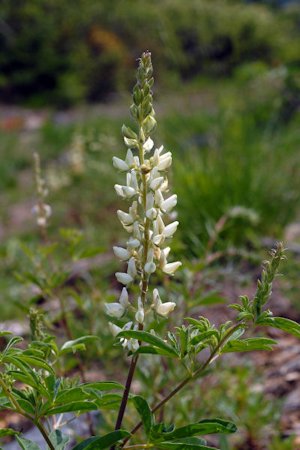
x: 44, y: 433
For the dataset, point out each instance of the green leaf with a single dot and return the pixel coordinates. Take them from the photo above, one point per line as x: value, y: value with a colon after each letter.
x: 25, y: 444
x: 77, y: 344
x: 8, y: 432
x: 35, y: 362
x: 249, y: 345
x: 200, y: 428
x: 12, y: 342
x: 281, y: 323
x: 149, y: 338
x: 145, y: 413
x: 100, y: 443
x: 72, y: 407
x: 58, y: 439
x: 5, y: 333
x: 183, y: 446
x: 103, y: 385
x: 203, y: 336
x: 109, y: 401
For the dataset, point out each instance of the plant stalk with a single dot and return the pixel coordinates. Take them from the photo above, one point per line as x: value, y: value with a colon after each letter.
x: 144, y: 289
x: 43, y: 431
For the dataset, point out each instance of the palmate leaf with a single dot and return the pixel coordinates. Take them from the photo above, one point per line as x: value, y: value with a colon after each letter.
x: 103, y: 442
x: 249, y: 345
x: 158, y: 344
x: 281, y: 323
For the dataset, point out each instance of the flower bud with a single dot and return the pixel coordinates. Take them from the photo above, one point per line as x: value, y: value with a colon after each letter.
x: 148, y: 145
x: 171, y: 229
x: 121, y: 253
x: 131, y: 270
x: 156, y: 183
x: 120, y: 164
x: 123, y: 300
x: 133, y: 243
x: 168, y: 204
x: 151, y: 214
x: 128, y: 132
x: 115, y: 330
x: 149, y: 124
x: 140, y: 314
x: 165, y: 161
x: 115, y: 310
x: 124, y: 217
x: 171, y: 268
x: 124, y: 278
x: 128, y: 191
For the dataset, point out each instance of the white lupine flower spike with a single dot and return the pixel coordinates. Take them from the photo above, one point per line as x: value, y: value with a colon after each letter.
x: 147, y: 220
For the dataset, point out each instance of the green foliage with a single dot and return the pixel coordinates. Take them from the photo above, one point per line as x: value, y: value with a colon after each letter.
x: 85, y: 52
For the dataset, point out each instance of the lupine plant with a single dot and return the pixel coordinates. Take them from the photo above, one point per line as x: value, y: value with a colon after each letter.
x: 31, y: 381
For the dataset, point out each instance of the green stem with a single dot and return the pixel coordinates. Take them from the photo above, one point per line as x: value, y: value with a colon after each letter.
x: 186, y: 380
x: 44, y: 433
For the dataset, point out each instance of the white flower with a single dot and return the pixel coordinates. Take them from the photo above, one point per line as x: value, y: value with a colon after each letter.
x: 163, y: 309
x: 133, y: 243
x: 123, y: 300
x: 159, y: 200
x: 128, y: 191
x: 159, y: 225
x: 129, y: 160
x: 121, y: 253
x: 140, y: 314
x: 149, y: 200
x: 124, y: 217
x: 158, y: 239
x: 133, y: 345
x: 169, y: 203
x: 124, y: 278
x: 115, y: 309
x: 119, y: 190
x: 151, y: 213
x: 131, y: 270
x: 171, y: 268
x: 150, y: 267
x: 148, y: 145
x: 163, y: 257
x: 115, y: 330
x: 120, y: 164
x: 131, y: 180
x: 165, y: 161
x: 170, y: 229
x: 156, y: 183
